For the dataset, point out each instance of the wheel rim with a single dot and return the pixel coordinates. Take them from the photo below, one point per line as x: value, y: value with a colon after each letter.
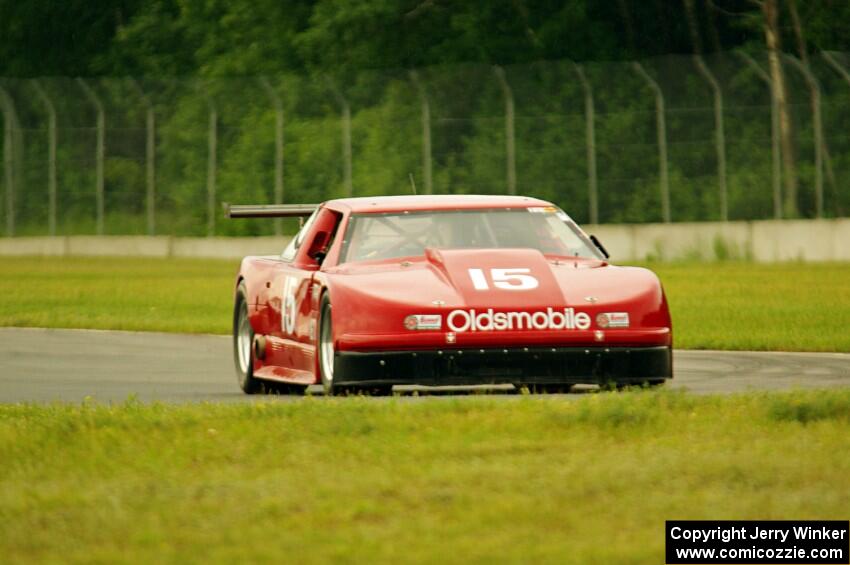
x: 243, y: 339
x: 327, y: 346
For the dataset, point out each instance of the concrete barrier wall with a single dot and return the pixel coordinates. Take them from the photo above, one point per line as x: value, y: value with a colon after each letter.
x: 664, y: 242
x: 227, y: 247
x: 144, y: 246
x: 762, y: 241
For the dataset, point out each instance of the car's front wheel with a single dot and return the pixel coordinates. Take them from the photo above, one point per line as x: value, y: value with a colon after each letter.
x: 327, y: 359
x: 327, y: 352
x: 243, y: 340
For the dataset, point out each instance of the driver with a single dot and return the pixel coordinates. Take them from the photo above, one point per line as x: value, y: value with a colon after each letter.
x: 447, y: 231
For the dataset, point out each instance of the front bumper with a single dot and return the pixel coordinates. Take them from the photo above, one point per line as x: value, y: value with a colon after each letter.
x: 525, y: 365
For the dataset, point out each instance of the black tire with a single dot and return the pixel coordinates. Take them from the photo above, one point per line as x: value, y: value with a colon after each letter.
x: 242, y: 331
x: 325, y: 348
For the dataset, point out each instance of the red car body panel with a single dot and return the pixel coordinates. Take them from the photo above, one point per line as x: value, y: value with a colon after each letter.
x: 371, y: 299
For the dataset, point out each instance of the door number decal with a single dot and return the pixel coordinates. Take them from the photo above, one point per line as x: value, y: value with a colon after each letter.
x: 288, y: 310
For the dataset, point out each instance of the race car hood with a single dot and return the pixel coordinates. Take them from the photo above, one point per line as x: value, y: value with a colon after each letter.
x: 375, y: 297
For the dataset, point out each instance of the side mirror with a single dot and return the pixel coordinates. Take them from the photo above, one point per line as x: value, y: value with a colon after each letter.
x: 319, y: 246
x: 599, y: 246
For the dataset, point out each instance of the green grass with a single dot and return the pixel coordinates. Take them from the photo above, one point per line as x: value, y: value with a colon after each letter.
x: 731, y: 305
x: 474, y: 479
x: 790, y: 307
x: 170, y: 295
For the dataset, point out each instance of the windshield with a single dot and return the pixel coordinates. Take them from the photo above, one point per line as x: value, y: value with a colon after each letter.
x: 386, y: 236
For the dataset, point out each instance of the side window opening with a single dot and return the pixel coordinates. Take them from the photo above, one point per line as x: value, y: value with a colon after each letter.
x: 337, y: 220
x: 323, y: 234
x: 295, y: 243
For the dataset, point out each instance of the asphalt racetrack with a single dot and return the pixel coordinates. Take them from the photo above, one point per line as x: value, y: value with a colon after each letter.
x: 41, y: 365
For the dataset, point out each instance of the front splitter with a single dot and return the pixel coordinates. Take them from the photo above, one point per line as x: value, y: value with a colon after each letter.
x: 524, y: 365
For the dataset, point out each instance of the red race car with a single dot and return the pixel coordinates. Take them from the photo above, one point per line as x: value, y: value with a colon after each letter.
x: 443, y: 290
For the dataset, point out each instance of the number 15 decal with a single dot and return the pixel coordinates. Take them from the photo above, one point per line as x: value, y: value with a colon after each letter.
x: 505, y: 279
x: 289, y: 310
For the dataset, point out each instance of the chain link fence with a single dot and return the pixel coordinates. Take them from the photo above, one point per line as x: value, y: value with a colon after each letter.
x: 675, y: 138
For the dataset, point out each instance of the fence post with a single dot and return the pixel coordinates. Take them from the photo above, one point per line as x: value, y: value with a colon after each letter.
x: 51, y: 156
x: 837, y: 66
x: 212, y: 150
x: 274, y: 97
x: 426, y: 132
x: 100, y: 151
x: 590, y: 133
x: 814, y: 88
x: 661, y: 131
x: 346, y: 136
x: 510, y: 147
x: 774, y: 135
x: 150, y: 157
x: 719, y: 134
x: 10, y: 121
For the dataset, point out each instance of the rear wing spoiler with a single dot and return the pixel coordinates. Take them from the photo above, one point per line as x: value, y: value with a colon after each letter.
x: 269, y: 210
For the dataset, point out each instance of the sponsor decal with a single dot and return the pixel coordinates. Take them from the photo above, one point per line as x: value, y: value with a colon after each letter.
x: 473, y: 321
x: 613, y: 320
x: 424, y: 322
